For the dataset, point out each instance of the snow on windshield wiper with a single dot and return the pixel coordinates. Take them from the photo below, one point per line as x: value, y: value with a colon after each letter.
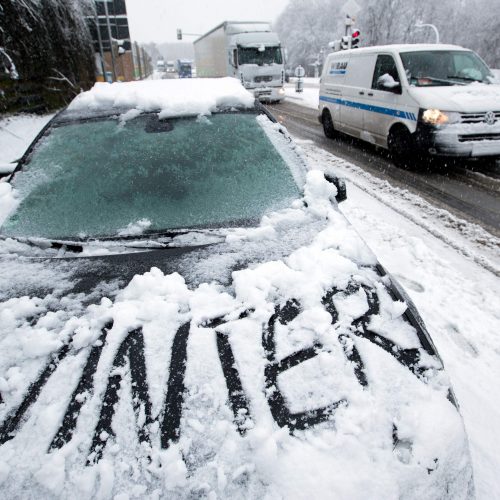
x: 44, y: 243
x: 156, y: 241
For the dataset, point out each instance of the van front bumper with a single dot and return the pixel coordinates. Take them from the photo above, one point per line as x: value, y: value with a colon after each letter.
x: 460, y: 140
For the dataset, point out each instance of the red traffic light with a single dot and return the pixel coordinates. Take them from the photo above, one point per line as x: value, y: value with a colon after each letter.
x: 356, y: 34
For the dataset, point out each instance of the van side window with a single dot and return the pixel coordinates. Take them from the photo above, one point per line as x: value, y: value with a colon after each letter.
x: 385, y: 76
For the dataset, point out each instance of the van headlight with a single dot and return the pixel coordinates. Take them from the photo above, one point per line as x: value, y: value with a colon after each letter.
x: 438, y: 117
x: 281, y: 91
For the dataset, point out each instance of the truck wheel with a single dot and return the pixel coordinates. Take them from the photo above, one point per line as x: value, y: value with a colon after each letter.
x: 401, y: 147
x: 328, y: 128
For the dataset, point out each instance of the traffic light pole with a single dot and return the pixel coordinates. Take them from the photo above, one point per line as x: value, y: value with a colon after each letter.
x: 180, y: 34
x: 348, y: 25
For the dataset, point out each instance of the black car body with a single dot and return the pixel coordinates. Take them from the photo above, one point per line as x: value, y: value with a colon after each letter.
x: 270, y: 354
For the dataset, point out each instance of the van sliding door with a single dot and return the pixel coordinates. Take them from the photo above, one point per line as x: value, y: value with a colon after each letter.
x: 357, y: 84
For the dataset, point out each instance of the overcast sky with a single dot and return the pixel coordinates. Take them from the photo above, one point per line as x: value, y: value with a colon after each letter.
x: 158, y: 20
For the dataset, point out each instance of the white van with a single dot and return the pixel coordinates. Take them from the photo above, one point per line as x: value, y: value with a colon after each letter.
x: 433, y: 99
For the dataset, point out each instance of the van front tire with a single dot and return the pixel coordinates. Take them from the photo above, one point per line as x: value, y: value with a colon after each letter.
x: 328, y: 128
x: 401, y: 147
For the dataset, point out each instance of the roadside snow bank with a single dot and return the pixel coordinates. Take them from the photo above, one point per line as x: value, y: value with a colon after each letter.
x: 309, y: 97
x: 171, y: 97
x: 439, y: 260
x: 465, y: 237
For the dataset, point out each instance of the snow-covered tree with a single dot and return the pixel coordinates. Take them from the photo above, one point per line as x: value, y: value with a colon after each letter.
x: 305, y: 26
x: 47, y: 43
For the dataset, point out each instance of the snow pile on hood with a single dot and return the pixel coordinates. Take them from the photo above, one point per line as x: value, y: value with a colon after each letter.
x: 250, y: 391
x: 474, y: 97
x: 170, y: 97
x: 478, y: 90
x: 8, y: 201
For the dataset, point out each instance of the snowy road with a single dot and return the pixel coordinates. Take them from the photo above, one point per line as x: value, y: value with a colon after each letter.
x: 473, y: 195
x: 446, y: 265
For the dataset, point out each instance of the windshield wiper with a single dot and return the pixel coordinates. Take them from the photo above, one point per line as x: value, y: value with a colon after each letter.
x: 440, y: 80
x: 467, y: 79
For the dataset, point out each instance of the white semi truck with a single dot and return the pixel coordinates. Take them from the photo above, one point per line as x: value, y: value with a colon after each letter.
x: 249, y: 51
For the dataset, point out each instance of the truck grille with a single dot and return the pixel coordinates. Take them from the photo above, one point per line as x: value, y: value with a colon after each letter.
x: 477, y: 117
x: 259, y: 79
x: 478, y: 137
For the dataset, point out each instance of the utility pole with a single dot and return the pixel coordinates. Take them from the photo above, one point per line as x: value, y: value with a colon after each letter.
x: 101, y: 51
x: 138, y: 56
x: 113, y: 64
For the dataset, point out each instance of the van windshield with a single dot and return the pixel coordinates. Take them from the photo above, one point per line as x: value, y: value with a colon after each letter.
x: 437, y: 68
x: 254, y: 55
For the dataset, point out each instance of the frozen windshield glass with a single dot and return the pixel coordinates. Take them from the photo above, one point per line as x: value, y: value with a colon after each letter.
x: 253, y: 55
x: 439, y: 67
x: 103, y: 178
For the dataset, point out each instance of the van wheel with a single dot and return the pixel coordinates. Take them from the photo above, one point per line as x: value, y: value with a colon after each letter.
x: 401, y: 147
x: 328, y: 128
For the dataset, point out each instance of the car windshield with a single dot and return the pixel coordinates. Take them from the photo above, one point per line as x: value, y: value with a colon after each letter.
x: 108, y: 178
x: 444, y: 67
x: 254, y: 55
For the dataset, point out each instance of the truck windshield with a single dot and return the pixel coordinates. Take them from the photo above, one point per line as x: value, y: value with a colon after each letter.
x: 107, y: 179
x: 252, y: 55
x: 444, y: 67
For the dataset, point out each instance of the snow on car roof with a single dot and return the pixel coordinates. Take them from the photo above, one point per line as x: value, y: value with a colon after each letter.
x: 171, y: 97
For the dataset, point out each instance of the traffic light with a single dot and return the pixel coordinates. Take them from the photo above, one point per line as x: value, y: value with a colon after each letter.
x: 179, y: 34
x: 355, y: 39
x: 344, y: 43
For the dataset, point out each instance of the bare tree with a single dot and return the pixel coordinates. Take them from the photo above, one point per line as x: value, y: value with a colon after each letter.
x: 306, y: 26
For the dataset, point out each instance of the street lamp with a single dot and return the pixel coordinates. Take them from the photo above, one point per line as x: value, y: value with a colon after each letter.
x: 421, y: 25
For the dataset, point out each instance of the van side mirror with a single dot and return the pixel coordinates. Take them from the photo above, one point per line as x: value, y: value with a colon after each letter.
x: 340, y: 185
x: 387, y: 82
x: 233, y: 58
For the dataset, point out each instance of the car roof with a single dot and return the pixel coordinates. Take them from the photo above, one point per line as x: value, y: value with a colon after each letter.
x: 69, y: 115
x: 408, y: 47
x: 186, y: 97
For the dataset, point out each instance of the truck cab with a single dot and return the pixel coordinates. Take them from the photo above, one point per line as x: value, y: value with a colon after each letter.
x: 257, y: 60
x: 184, y: 68
x: 249, y: 51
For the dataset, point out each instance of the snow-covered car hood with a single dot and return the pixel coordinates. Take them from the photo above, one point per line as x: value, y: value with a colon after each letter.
x: 304, y: 375
x: 476, y: 97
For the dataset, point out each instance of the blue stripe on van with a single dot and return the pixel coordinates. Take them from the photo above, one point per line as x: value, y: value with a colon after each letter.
x: 338, y: 72
x: 369, y: 107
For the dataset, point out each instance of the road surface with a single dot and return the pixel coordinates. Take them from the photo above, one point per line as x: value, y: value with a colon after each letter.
x: 470, y: 191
